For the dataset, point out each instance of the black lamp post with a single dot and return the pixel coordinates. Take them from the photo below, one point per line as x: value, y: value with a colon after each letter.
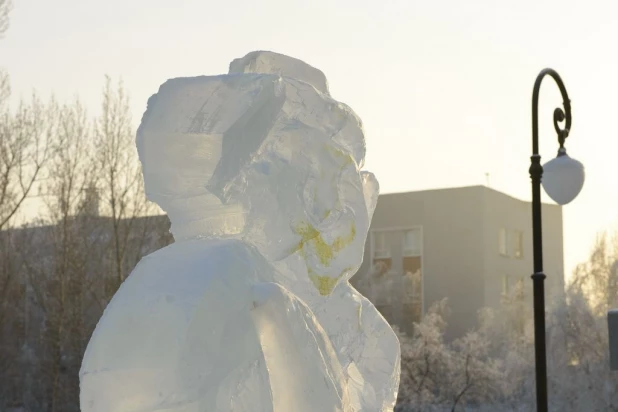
x: 563, y: 180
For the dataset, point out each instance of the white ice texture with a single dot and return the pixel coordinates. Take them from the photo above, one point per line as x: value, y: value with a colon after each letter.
x: 250, y: 310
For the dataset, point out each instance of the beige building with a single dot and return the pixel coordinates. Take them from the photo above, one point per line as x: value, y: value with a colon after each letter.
x: 470, y: 244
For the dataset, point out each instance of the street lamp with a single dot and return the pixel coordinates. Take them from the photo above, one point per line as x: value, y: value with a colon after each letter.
x: 563, y: 180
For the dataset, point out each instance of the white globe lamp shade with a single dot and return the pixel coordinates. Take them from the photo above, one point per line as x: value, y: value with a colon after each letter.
x: 563, y: 178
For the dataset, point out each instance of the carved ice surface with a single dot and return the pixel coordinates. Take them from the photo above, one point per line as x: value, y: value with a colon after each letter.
x: 250, y: 310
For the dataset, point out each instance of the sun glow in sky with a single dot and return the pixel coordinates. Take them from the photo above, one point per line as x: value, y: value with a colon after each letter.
x: 443, y: 87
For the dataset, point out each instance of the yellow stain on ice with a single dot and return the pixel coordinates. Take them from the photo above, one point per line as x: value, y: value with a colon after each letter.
x: 342, y: 242
x: 310, y: 236
x: 324, y: 284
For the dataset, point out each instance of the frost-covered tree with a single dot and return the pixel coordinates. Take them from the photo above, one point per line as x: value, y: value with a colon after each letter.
x: 578, y: 349
x: 492, y: 367
x: 597, y: 278
x: 425, y: 361
x: 476, y: 377
x: 449, y: 376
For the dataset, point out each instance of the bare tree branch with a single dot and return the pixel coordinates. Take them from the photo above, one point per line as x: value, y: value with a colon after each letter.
x: 5, y: 8
x: 24, y: 150
x: 121, y: 177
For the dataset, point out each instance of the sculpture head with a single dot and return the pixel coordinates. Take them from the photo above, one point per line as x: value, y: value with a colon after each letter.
x: 267, y: 157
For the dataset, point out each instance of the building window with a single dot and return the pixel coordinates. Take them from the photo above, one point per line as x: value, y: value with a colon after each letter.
x: 518, y: 244
x: 520, y: 291
x: 505, y: 285
x: 412, y: 248
x: 412, y: 243
x: 380, y: 276
x: 380, y: 246
x: 502, y: 243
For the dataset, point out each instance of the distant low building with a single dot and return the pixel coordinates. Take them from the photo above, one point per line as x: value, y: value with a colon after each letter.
x: 471, y: 245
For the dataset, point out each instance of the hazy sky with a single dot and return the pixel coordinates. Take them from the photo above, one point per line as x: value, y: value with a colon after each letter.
x: 443, y: 87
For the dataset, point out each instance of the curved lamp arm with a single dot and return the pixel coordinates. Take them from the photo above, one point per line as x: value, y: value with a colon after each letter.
x: 559, y: 114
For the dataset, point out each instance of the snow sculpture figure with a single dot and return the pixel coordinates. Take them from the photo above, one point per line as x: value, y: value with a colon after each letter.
x: 250, y: 310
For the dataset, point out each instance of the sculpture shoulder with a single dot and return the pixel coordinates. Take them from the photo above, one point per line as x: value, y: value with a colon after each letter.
x: 169, y: 289
x: 205, y: 258
x: 184, y: 271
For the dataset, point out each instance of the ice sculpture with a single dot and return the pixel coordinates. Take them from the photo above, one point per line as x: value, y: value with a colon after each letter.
x: 250, y: 310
